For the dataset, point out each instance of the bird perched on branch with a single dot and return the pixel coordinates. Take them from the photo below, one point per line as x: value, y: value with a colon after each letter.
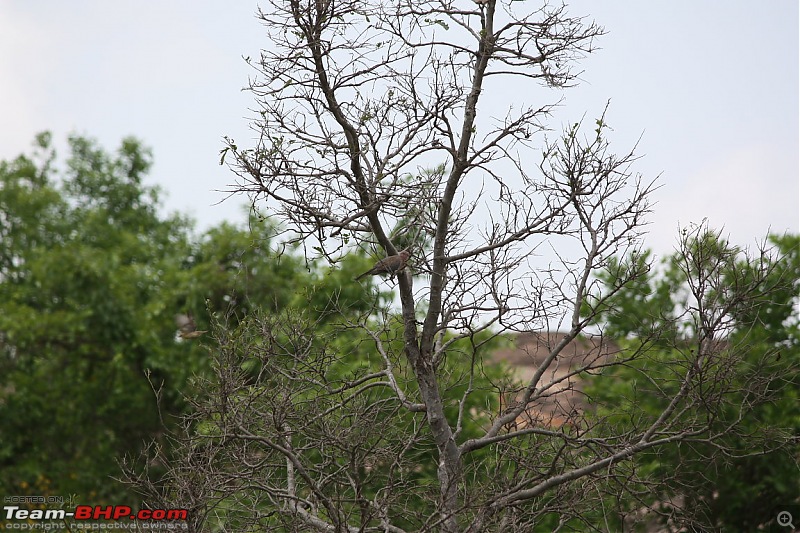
x: 389, y: 265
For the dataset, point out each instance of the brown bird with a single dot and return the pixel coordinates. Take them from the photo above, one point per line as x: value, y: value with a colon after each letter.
x: 389, y: 265
x: 187, y: 329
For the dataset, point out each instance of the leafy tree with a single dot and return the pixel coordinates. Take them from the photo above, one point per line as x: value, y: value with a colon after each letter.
x: 741, y: 480
x: 84, y: 311
x: 91, y: 278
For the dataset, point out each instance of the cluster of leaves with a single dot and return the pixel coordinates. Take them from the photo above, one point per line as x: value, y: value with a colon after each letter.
x: 740, y: 480
x: 91, y: 278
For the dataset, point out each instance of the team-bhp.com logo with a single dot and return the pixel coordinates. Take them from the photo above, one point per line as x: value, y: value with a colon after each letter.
x: 94, y: 512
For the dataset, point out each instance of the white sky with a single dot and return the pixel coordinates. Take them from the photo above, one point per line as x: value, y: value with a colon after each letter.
x: 712, y: 86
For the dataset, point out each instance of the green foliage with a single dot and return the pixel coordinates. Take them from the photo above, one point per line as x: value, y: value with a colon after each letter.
x: 642, y: 305
x: 740, y: 482
x: 83, y: 313
x: 91, y: 278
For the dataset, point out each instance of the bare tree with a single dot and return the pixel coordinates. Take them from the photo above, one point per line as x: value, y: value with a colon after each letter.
x: 373, y: 128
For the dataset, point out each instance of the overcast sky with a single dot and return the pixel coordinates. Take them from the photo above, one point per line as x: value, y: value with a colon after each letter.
x: 712, y: 86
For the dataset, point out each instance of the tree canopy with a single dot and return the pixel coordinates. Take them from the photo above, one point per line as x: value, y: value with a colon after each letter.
x: 741, y: 480
x: 92, y: 276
